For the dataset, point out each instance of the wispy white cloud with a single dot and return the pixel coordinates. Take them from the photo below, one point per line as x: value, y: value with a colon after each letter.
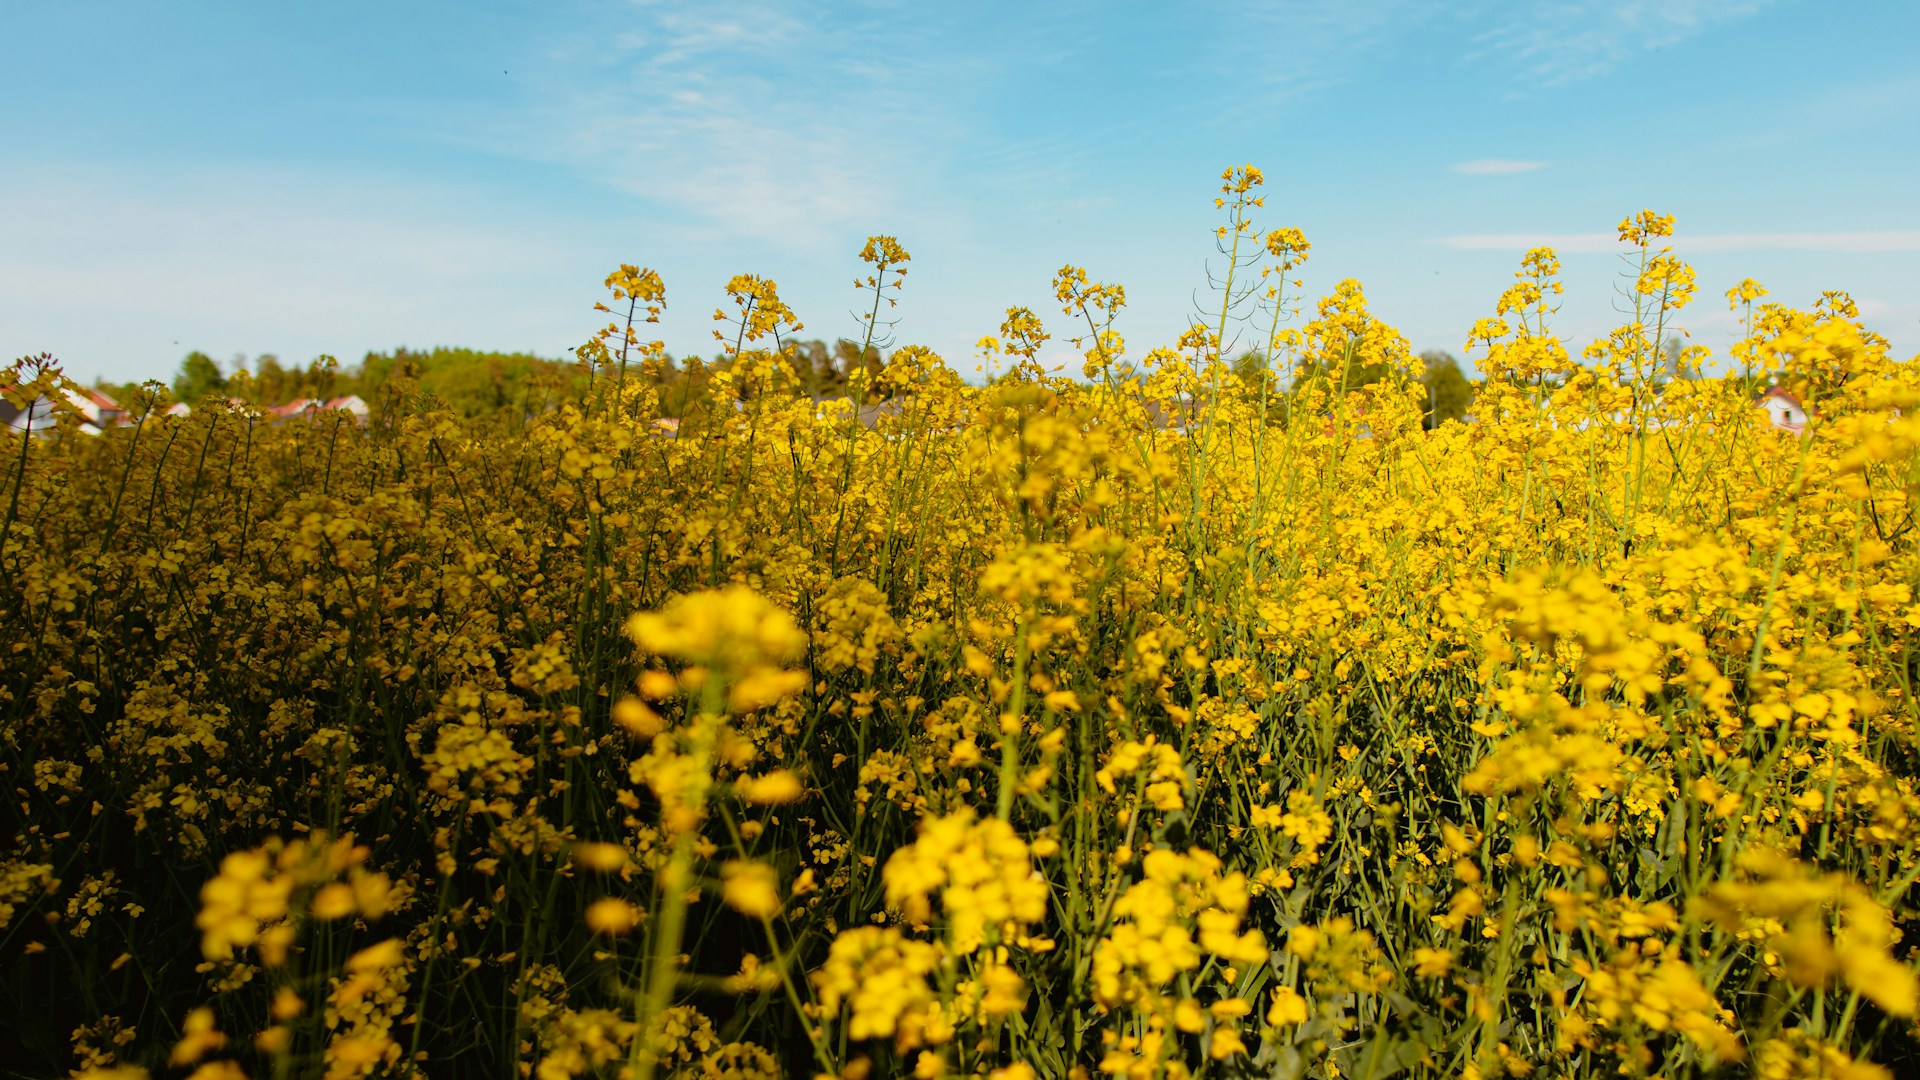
x: 1495, y: 167
x: 763, y: 124
x: 1325, y: 43
x: 1883, y: 240
x: 1570, y: 40
x: 1528, y: 43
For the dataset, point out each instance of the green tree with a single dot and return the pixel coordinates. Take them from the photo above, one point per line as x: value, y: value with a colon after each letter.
x: 472, y: 382
x: 1254, y: 368
x: 1448, y: 391
x: 198, y: 376
x: 813, y: 365
x: 272, y: 383
x: 848, y: 359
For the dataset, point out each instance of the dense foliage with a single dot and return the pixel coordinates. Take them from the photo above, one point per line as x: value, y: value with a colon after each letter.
x: 1162, y: 726
x: 476, y: 384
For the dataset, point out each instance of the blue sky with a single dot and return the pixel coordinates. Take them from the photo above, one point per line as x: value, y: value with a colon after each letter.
x: 299, y: 179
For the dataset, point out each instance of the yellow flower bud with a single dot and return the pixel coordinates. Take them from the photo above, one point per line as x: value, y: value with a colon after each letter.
x: 750, y: 888
x: 774, y: 789
x: 612, y: 916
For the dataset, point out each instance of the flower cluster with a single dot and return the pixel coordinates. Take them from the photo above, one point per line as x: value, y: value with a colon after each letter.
x: 804, y: 710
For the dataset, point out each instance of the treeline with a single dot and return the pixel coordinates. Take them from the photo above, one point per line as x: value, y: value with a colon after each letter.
x: 1449, y: 392
x: 480, y: 384
x: 472, y: 382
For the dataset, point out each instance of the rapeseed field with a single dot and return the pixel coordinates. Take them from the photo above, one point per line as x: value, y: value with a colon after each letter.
x: 1142, y: 720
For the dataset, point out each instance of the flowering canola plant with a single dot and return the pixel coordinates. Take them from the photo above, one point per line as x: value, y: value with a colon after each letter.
x: 1180, y: 717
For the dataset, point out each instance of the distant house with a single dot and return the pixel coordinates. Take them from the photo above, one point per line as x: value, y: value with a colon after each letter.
x: 100, y: 410
x: 350, y: 404
x: 97, y: 412
x: 1177, y: 416
x: 1784, y: 410
x: 890, y: 409
x: 37, y: 416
